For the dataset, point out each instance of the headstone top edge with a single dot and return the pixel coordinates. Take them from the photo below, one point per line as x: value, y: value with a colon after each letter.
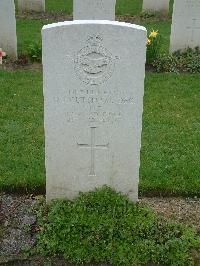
x: 93, y: 22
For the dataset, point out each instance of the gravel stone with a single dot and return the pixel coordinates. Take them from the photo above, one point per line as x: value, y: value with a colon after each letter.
x: 179, y: 210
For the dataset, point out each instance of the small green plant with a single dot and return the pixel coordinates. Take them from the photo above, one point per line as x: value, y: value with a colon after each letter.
x: 187, y: 61
x: 153, y: 46
x: 35, y: 52
x: 27, y: 228
x: 148, y: 14
x: 105, y: 226
x: 47, y: 262
x: 2, y: 231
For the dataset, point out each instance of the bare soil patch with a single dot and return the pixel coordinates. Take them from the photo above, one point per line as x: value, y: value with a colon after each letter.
x: 11, y: 65
x: 57, y: 16
x: 62, y: 16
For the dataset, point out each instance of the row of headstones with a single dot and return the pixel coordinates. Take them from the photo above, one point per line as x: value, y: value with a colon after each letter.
x: 39, y: 5
x: 185, y: 22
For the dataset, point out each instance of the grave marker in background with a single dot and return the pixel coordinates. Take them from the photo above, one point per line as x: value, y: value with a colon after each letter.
x: 93, y: 92
x: 185, y: 30
x: 156, y: 5
x: 31, y: 5
x: 8, y: 37
x: 94, y: 9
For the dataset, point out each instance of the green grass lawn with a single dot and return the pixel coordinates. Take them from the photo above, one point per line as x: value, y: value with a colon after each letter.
x: 21, y: 134
x: 169, y: 163
x: 29, y: 32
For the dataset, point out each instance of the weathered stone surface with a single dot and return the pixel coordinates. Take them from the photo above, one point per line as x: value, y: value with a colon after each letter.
x: 94, y: 9
x: 93, y: 92
x: 185, y: 31
x: 156, y: 5
x: 8, y: 37
x: 31, y: 5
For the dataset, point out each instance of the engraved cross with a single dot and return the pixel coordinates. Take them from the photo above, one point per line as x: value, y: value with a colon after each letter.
x: 194, y: 27
x: 93, y: 147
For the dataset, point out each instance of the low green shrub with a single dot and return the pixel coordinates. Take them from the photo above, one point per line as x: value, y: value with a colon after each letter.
x: 34, y: 52
x: 105, y: 226
x: 148, y: 14
x: 188, y: 61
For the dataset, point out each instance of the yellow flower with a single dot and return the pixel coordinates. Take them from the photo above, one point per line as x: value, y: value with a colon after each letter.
x: 153, y: 34
x: 148, y: 41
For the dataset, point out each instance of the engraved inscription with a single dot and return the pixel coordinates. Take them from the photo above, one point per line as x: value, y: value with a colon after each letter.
x: 194, y: 28
x: 192, y: 4
x: 93, y: 147
x: 94, y: 64
x: 94, y: 117
x: 94, y: 105
x: 97, y: 97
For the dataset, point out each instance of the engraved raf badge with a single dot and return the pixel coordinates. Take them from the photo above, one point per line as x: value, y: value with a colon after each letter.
x: 94, y: 64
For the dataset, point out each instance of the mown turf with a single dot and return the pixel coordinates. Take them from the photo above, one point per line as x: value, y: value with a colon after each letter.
x: 21, y: 134
x: 29, y: 32
x: 170, y: 162
x: 170, y: 144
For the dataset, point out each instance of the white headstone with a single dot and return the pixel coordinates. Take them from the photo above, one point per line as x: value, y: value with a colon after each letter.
x: 185, y: 31
x: 93, y: 92
x: 94, y: 9
x: 156, y: 5
x: 8, y: 36
x: 31, y: 5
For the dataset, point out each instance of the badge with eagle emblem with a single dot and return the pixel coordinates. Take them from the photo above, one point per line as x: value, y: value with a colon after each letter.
x: 94, y: 64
